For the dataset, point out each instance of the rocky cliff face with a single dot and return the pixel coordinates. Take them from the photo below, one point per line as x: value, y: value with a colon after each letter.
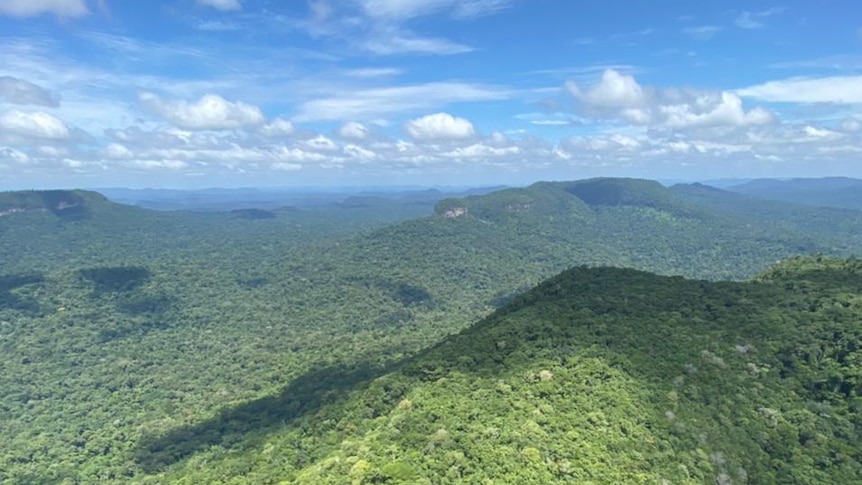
x: 59, y: 202
x: 457, y: 211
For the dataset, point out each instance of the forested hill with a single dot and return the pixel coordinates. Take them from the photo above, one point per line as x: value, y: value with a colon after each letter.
x: 135, y: 325
x: 61, y: 203
x: 691, y: 230
x: 49, y: 230
x: 597, y: 375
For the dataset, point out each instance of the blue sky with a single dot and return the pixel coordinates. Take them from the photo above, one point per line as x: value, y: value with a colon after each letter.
x: 198, y: 93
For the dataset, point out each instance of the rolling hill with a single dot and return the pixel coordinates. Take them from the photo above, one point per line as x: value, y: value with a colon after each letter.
x: 136, y: 325
x: 598, y: 375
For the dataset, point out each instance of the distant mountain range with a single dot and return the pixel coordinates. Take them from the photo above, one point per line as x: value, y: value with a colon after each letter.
x: 841, y: 192
x: 220, y: 199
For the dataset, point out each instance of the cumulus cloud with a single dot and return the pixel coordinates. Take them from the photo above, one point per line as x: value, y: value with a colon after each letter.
x: 223, y: 5
x: 32, y: 8
x: 833, y: 89
x: 115, y: 151
x: 359, y: 153
x: 711, y: 110
x: 134, y: 136
x: 481, y: 150
x: 439, y: 127
x: 277, y: 127
x: 620, y: 96
x: 35, y: 125
x: 18, y: 91
x: 211, y: 112
x: 353, y: 131
x: 614, y: 90
x: 159, y: 164
x: 320, y: 143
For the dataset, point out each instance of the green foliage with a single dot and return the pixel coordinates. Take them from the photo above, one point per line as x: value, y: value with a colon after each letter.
x: 596, y: 376
x: 155, y: 347
x: 117, y: 279
x: 615, y: 192
x: 253, y: 214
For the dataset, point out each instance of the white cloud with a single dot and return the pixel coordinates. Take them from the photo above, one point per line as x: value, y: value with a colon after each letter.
x: 851, y: 125
x: 36, y: 125
x: 835, y: 89
x: 32, y: 8
x: 277, y: 127
x: 841, y: 62
x: 726, y: 111
x: 614, y: 90
x: 476, y: 8
x: 159, y: 164
x: 439, y: 127
x: 357, y: 152
x: 136, y: 137
x: 115, y: 151
x: 371, y: 103
x: 753, y: 20
x: 49, y: 151
x: 286, y: 167
x: 13, y: 155
x: 386, y: 33
x: 704, y: 32
x: 353, y: 131
x: 601, y: 143
x: 619, y: 96
x: 321, y: 143
x: 18, y: 91
x: 637, y: 116
x: 223, y: 5
x: 395, y: 41
x: 820, y: 133
x: 211, y: 112
x: 481, y: 150
x: 238, y: 155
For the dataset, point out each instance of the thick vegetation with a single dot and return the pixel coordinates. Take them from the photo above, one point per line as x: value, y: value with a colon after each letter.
x: 141, y: 346
x: 596, y: 376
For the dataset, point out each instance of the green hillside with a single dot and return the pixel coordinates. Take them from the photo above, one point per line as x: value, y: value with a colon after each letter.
x: 49, y: 230
x: 595, y: 376
x: 136, y: 325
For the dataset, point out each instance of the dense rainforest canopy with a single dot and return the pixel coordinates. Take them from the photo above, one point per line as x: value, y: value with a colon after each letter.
x: 309, y: 345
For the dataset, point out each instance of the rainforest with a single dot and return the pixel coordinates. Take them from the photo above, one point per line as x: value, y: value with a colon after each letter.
x: 594, y: 331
